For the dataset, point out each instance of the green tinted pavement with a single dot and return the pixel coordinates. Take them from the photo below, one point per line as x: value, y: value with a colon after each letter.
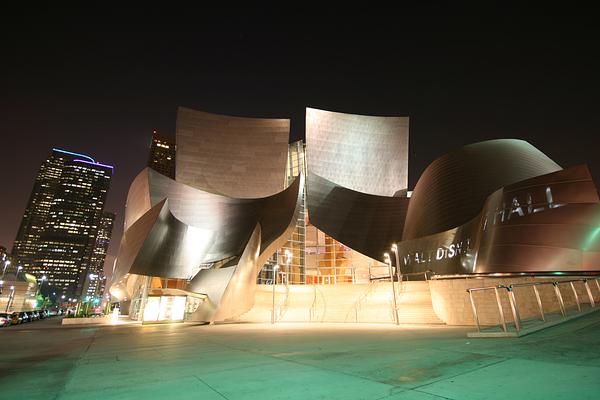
x: 43, y: 360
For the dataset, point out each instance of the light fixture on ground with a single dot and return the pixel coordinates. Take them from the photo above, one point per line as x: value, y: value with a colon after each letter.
x: 275, y: 268
x: 389, y: 263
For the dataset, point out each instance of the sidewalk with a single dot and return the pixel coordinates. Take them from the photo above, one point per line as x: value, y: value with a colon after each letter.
x: 300, y: 361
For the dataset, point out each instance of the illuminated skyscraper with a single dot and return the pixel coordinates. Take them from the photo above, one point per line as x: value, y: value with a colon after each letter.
x: 162, y: 155
x: 59, y: 229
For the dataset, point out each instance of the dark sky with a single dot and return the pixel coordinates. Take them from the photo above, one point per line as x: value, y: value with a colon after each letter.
x: 99, y: 84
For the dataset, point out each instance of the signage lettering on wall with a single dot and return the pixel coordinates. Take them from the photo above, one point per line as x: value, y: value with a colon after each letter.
x: 439, y: 254
x: 519, y: 209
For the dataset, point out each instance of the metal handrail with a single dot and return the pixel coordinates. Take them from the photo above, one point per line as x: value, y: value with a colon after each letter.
x: 514, y: 306
x: 283, y: 304
x: 387, y: 277
x: 359, y: 302
x: 500, y: 310
x: 424, y: 273
x: 313, y: 307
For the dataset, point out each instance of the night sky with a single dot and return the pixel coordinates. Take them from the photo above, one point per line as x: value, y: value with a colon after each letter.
x: 100, y: 84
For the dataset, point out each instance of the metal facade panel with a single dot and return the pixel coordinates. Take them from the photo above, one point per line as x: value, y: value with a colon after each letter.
x: 234, y: 156
x: 545, y: 224
x: 196, y: 227
x: 366, y: 154
x: 454, y: 187
x: 366, y: 223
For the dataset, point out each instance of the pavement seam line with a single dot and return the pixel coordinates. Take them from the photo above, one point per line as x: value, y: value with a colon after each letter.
x: 60, y: 392
x: 459, y: 374
x: 270, y: 355
x: 211, y: 388
x: 436, y: 395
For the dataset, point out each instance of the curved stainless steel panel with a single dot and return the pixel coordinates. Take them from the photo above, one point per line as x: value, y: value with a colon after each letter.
x: 196, y: 227
x: 363, y: 153
x: 187, y: 229
x: 366, y: 223
x: 453, y: 188
x: 138, y: 198
x: 233, y: 156
x: 546, y: 224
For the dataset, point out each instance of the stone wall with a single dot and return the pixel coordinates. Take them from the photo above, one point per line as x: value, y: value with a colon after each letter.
x: 452, y: 305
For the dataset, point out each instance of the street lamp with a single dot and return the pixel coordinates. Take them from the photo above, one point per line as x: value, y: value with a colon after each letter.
x: 10, y: 298
x: 398, y: 271
x: 42, y: 279
x: 19, y: 268
x: 389, y: 263
x: 6, y: 264
x: 288, y: 261
x: 275, y: 268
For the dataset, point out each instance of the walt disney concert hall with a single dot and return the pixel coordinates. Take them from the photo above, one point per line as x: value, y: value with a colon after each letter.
x: 257, y: 229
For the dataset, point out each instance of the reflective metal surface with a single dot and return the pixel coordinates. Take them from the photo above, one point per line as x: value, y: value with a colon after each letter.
x: 363, y: 153
x: 186, y: 230
x: 356, y: 163
x: 454, y: 187
x: 366, y: 223
x: 234, y: 156
x: 546, y: 224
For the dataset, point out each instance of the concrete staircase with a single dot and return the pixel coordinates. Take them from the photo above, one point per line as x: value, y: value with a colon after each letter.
x: 360, y: 303
x: 414, y: 304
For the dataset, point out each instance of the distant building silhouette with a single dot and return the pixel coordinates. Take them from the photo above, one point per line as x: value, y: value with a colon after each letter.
x: 162, y: 155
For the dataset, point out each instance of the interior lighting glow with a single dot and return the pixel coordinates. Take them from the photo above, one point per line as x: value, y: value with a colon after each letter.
x: 164, y: 308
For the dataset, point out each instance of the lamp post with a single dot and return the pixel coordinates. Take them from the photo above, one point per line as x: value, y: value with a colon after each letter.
x: 10, y: 298
x: 6, y: 264
x: 398, y: 271
x: 288, y: 262
x: 43, y: 279
x: 275, y: 268
x: 39, y: 291
x: 19, y: 268
x: 389, y: 263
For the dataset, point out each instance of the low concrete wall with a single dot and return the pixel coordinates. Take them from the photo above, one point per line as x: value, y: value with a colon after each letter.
x: 452, y: 305
x: 87, y: 321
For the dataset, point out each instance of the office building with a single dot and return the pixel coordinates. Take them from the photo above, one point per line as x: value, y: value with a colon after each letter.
x: 59, y: 229
x: 96, y: 278
x: 162, y: 155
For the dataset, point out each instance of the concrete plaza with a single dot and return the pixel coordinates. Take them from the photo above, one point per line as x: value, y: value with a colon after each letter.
x: 44, y: 360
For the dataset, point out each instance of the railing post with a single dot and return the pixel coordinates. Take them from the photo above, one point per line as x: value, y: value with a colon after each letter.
x: 561, y: 304
x: 576, y: 296
x: 474, y: 310
x: 589, y: 293
x: 513, y: 307
x: 502, y: 320
x: 539, y: 302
